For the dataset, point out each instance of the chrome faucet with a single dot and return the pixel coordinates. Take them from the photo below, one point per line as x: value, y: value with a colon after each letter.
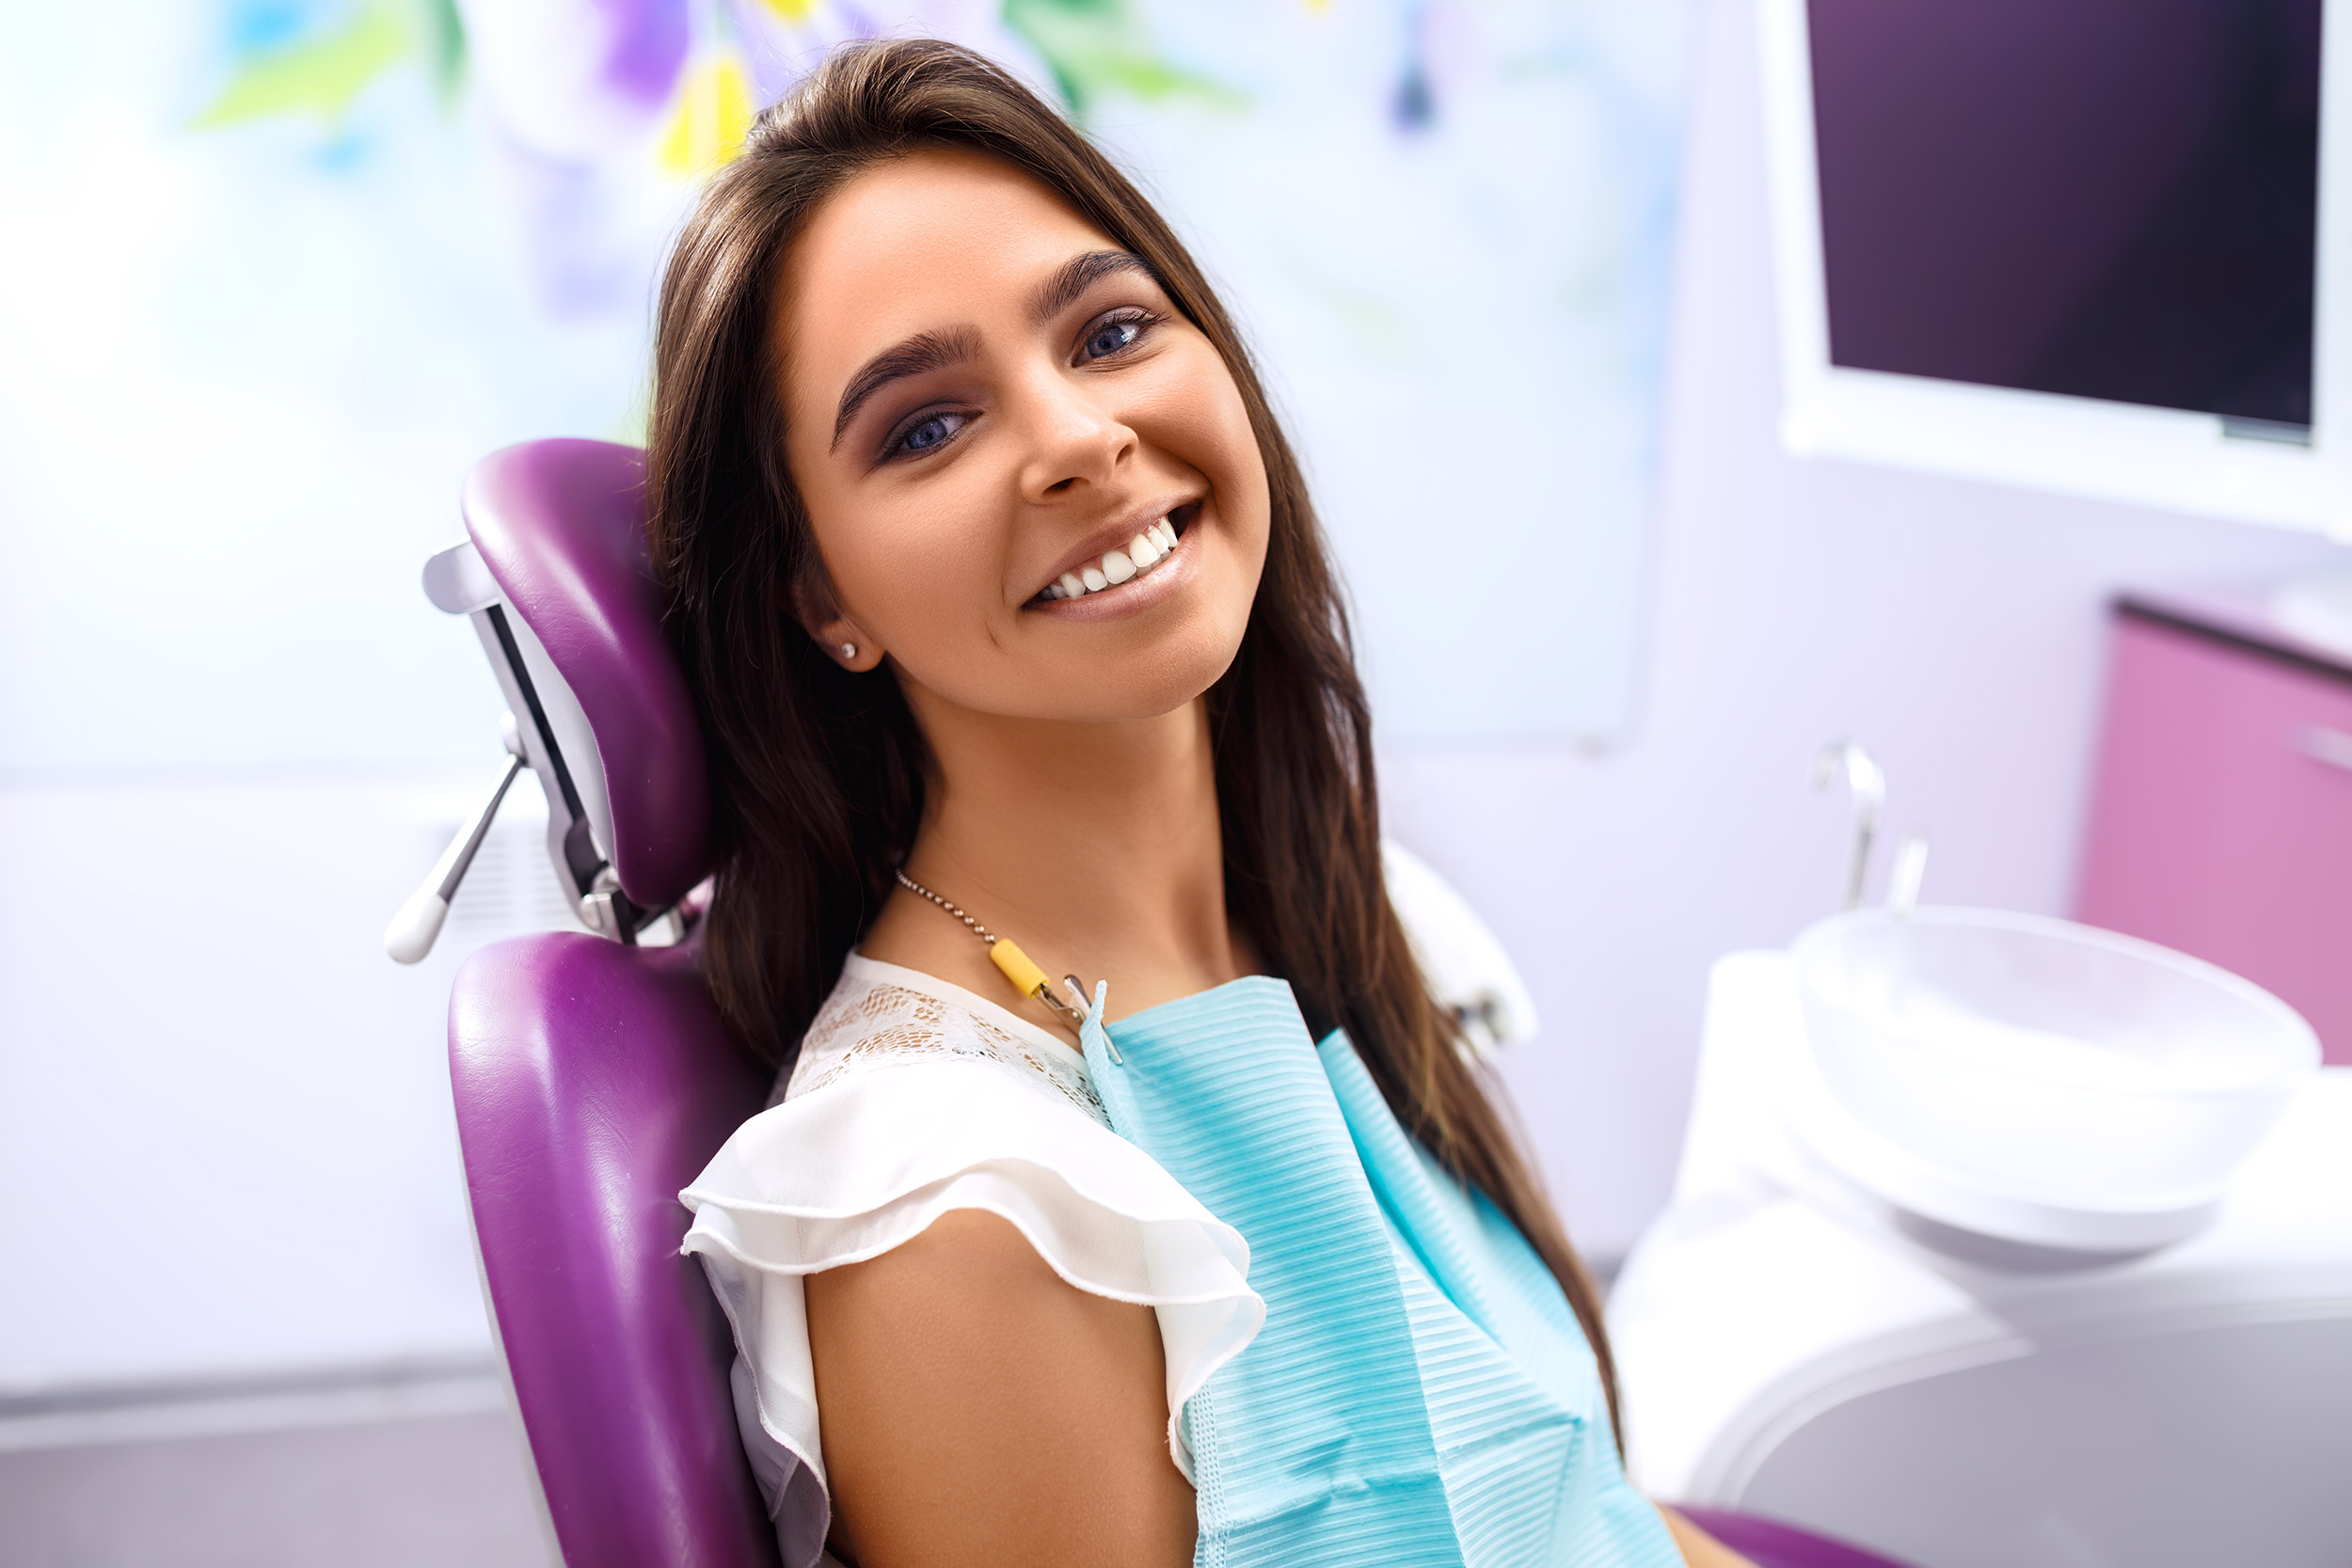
x: 1867, y: 785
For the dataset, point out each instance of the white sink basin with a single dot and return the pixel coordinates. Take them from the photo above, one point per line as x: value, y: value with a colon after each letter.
x: 2047, y: 1061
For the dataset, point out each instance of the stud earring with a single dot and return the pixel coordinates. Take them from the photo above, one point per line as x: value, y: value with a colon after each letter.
x: 849, y: 650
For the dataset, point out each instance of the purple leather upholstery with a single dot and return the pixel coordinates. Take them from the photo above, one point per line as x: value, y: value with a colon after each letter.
x: 562, y: 527
x: 593, y: 1082
x: 1769, y: 1543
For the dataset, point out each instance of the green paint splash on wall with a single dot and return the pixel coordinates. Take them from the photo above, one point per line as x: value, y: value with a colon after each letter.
x: 445, y: 46
x: 1100, y: 48
x: 324, y: 74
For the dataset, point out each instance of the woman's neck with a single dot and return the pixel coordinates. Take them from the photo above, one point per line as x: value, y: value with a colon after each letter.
x: 1096, y: 847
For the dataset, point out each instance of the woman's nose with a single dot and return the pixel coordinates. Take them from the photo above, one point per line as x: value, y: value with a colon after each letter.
x: 1074, y: 439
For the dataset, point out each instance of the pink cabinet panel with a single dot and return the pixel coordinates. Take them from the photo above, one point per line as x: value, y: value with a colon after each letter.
x: 2221, y: 820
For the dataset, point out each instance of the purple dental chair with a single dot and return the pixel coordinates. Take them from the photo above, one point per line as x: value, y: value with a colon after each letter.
x: 592, y: 1075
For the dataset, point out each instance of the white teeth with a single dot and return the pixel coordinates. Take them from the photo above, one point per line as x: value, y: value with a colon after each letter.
x: 1139, y: 555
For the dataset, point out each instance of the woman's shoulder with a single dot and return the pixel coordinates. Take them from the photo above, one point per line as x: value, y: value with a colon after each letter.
x: 882, y: 1017
x: 912, y: 1100
x: 905, y: 1084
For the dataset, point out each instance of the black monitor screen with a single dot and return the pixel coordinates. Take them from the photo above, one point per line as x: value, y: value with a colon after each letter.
x: 2109, y: 198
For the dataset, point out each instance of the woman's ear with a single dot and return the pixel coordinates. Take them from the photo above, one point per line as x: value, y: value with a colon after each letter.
x: 845, y: 644
x: 820, y: 615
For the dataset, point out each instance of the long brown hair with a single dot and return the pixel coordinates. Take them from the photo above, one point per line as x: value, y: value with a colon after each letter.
x: 818, y: 774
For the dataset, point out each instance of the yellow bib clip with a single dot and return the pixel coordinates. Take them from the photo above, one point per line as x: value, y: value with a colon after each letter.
x: 1029, y: 980
x: 1018, y: 966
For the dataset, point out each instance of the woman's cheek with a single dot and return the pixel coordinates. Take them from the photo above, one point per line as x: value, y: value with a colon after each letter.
x: 1199, y: 419
x: 931, y: 573
x: 1239, y: 468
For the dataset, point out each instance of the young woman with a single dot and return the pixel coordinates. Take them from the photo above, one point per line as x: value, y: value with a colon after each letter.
x: 1014, y: 633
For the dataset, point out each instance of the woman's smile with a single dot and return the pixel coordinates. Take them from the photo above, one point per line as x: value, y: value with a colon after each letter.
x: 1140, y: 569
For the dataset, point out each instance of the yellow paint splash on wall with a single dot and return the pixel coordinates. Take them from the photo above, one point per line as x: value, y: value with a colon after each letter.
x: 714, y: 110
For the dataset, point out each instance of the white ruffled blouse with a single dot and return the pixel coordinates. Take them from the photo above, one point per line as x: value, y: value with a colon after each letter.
x: 911, y: 1097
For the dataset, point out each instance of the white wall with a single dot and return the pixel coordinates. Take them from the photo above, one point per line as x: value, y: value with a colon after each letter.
x: 241, y: 374
x: 225, y: 1123
x: 1957, y: 628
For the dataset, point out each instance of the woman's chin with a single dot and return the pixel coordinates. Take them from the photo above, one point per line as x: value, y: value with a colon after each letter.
x: 1135, y: 680
x: 1171, y: 677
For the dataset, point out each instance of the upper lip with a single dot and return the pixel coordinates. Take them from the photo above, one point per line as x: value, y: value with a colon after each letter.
x: 1112, y: 536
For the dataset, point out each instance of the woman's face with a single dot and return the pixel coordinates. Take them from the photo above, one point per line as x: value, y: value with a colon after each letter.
x: 988, y: 406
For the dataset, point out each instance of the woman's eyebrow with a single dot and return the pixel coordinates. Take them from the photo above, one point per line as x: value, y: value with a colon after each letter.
x: 919, y: 354
x: 1079, y: 273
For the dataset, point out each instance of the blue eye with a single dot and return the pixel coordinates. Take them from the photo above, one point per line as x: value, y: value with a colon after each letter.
x: 1108, y: 338
x: 928, y: 434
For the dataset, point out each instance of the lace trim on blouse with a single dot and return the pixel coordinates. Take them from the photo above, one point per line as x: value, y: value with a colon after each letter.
x: 881, y: 1014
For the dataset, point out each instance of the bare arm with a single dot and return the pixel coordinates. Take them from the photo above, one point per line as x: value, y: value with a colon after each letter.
x: 1700, y: 1549
x: 979, y: 1411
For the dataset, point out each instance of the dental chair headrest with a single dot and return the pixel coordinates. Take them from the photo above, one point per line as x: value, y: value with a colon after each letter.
x: 561, y: 525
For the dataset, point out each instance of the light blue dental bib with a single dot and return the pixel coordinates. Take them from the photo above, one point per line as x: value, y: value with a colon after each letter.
x: 1421, y: 1393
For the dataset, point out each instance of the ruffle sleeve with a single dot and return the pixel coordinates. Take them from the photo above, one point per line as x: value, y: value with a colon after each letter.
x: 849, y: 1170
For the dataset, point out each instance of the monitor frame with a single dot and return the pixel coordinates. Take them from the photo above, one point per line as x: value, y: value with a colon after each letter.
x: 2165, y: 458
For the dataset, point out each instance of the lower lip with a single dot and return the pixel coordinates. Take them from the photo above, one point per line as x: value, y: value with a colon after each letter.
x: 1137, y: 595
